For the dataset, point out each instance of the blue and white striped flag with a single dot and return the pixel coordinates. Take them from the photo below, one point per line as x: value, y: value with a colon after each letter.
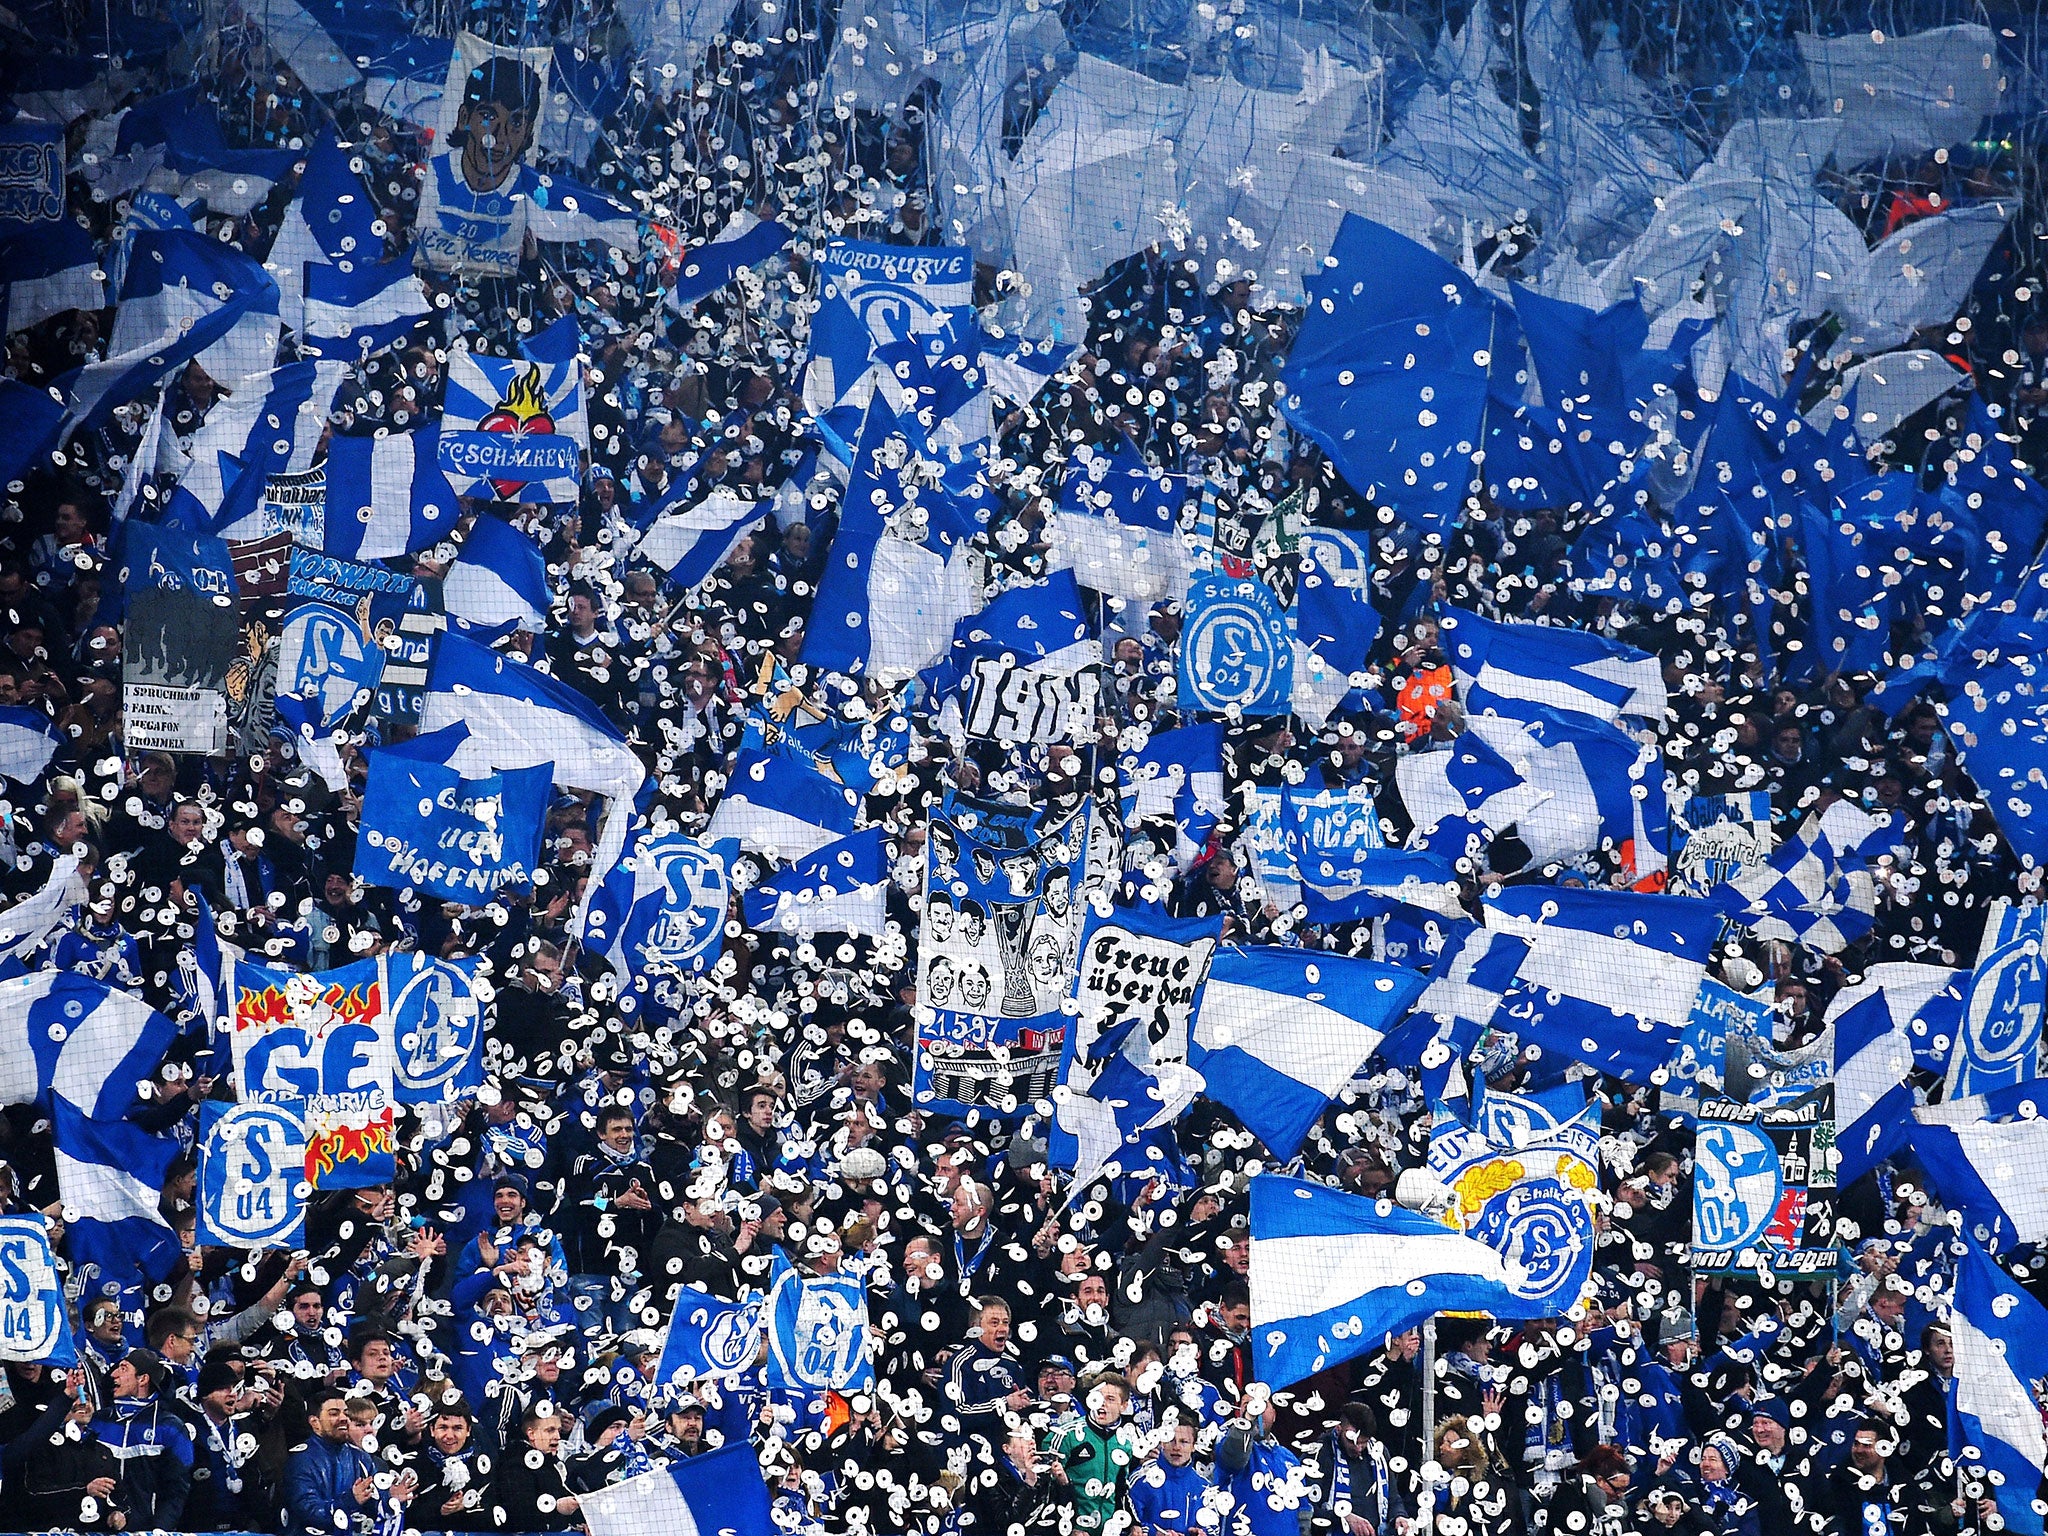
x: 267, y: 424
x: 841, y: 888
x: 1177, y: 775
x: 110, y: 1176
x: 387, y: 495
x: 28, y: 740
x: 332, y: 222
x: 720, y: 1493
x: 2001, y: 1379
x: 1568, y: 670
x: 1989, y: 1170
x: 692, y: 543
x: 25, y: 926
x: 46, y: 270
x: 746, y: 240
x: 354, y: 311
x: 1333, y: 1274
x: 519, y: 717
x: 818, y: 1334
x: 498, y: 578
x: 1280, y: 1031
x: 708, y: 1338
x: 1117, y: 527
x: 84, y: 1041
x: 184, y: 297
x: 1610, y: 976
x: 1873, y: 1057
x: 776, y: 805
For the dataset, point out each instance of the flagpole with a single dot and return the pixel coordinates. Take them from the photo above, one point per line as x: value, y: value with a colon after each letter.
x: 1426, y: 1496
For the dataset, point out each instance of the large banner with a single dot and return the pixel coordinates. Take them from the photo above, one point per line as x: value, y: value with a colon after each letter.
x: 437, y: 1023
x: 1764, y: 1188
x: 1716, y: 837
x: 1002, y: 914
x: 183, y: 628
x: 325, y: 1039
x: 34, y: 1325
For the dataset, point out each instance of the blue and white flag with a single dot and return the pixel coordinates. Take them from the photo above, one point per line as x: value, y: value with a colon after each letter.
x: 708, y: 1339
x: 388, y: 495
x: 818, y: 1334
x: 1468, y: 790
x: 1998, y: 1025
x: 1118, y: 526
x: 662, y: 909
x: 1584, y: 785
x: 2001, y: 737
x: 427, y: 827
x: 28, y: 740
x: 776, y: 805
x: 184, y: 297
x: 1280, y: 1032
x: 110, y: 1176
x: 35, y: 1324
x: 179, y: 133
x: 325, y: 659
x: 692, y: 543
x: 1807, y: 895
x: 25, y: 926
x: 1473, y: 976
x: 900, y: 576
x: 499, y: 577
x: 437, y: 1024
x: 31, y: 173
x: 746, y: 240
x: 516, y: 428
x: 355, y: 311
x: 2001, y: 1384
x: 871, y: 295
x: 841, y: 888
x: 1990, y: 1172
x: 1236, y: 648
x: 519, y: 717
x: 47, y: 270
x: 1332, y: 1275
x: 1346, y: 871
x: 1178, y: 776
x: 266, y: 425
x: 720, y: 1493
x: 1872, y: 1059
x: 1022, y: 669
x: 1568, y: 670
x: 66, y: 1034
x: 29, y: 419
x: 1610, y: 976
x: 332, y: 222
x: 252, y: 1175
x: 1335, y: 623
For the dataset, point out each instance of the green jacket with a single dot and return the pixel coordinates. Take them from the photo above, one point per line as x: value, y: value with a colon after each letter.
x: 1098, y: 1464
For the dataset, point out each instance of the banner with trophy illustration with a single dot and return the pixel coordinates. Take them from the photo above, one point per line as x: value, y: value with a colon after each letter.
x: 1002, y: 914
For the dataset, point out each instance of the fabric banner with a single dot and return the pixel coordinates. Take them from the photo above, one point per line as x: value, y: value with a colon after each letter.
x: 35, y: 1325
x: 1764, y: 1188
x: 326, y: 1039
x: 1715, y: 837
x: 182, y: 631
x: 1002, y: 913
x: 1237, y: 649
x: 437, y: 1026
x: 426, y: 826
x: 253, y: 1180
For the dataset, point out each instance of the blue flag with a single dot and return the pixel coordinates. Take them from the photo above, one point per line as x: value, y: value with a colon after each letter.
x: 426, y: 826
x: 252, y: 1175
x: 2001, y: 1375
x: 818, y: 1334
x: 35, y: 1325
x: 437, y: 1024
x: 708, y: 1337
x: 663, y: 908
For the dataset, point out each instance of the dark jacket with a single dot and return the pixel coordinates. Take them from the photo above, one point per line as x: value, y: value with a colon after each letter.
x: 154, y: 1449
x: 522, y: 1476
x: 319, y: 1483
x: 49, y: 1492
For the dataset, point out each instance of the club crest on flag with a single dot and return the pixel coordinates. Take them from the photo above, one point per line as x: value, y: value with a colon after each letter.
x: 1739, y: 1184
x: 32, y: 1320
x: 1543, y: 1228
x: 696, y: 886
x: 252, y: 1167
x: 2001, y: 1020
x: 437, y: 1020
